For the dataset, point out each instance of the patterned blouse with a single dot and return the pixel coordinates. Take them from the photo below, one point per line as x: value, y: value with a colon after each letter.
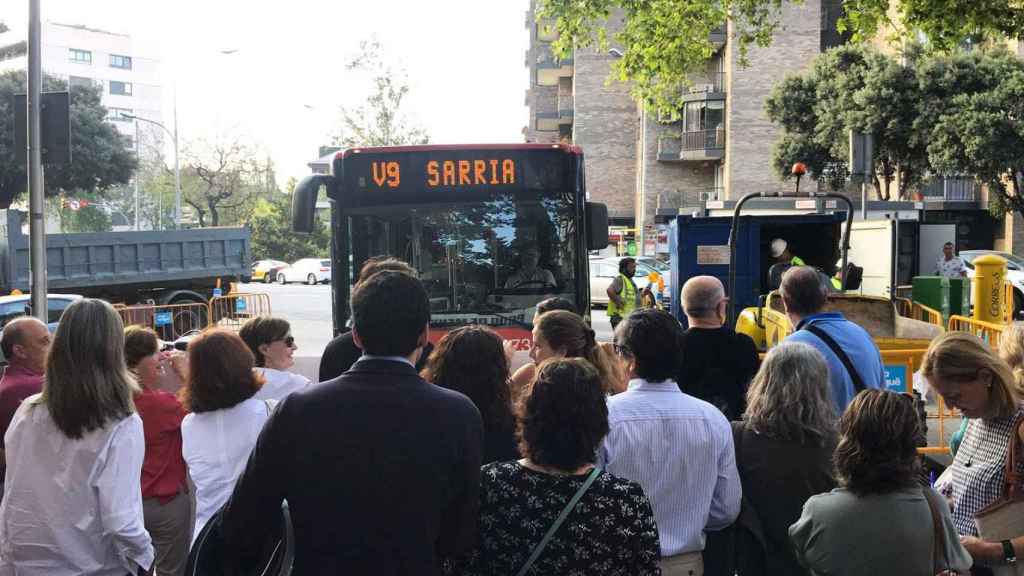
x: 979, y: 468
x: 611, y: 531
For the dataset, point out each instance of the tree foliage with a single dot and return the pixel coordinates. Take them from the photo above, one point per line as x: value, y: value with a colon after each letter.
x: 99, y: 157
x: 272, y: 238
x: 664, y: 42
x: 852, y: 88
x: 221, y: 180
x: 382, y: 120
x: 981, y: 130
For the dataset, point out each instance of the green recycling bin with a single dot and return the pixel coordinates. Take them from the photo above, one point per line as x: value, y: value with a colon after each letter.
x: 960, y: 296
x: 933, y: 292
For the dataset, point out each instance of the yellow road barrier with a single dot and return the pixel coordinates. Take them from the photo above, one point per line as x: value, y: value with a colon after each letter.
x: 232, y: 310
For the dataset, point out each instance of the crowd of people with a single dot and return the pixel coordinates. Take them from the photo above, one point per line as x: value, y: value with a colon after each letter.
x: 670, y: 451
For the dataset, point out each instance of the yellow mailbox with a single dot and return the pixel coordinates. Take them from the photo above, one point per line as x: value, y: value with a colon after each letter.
x: 988, y: 291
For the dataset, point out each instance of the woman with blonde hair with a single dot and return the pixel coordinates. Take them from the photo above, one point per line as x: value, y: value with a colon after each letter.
x: 972, y: 378
x: 72, y: 498
x: 564, y: 334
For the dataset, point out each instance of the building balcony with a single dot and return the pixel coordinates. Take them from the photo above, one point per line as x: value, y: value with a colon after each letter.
x: 713, y: 89
x: 547, y: 121
x: 675, y: 201
x: 701, y: 145
x: 546, y: 30
x: 951, y: 189
x: 550, y: 69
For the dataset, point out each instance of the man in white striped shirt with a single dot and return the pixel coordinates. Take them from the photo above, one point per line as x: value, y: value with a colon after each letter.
x: 677, y: 447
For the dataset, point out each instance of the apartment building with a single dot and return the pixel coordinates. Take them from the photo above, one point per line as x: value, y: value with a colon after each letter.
x: 130, y: 79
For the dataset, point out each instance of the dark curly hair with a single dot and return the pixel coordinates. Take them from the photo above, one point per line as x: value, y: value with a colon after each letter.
x: 221, y: 373
x: 877, y: 451
x: 472, y: 360
x: 565, y: 416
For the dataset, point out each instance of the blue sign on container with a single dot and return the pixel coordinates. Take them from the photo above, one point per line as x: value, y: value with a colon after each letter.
x: 896, y: 378
x: 239, y: 305
x: 163, y: 319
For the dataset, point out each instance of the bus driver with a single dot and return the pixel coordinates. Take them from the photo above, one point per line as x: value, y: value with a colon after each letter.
x: 529, y: 274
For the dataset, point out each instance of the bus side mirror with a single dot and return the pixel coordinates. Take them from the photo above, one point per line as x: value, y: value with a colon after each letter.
x: 597, y: 225
x: 304, y: 202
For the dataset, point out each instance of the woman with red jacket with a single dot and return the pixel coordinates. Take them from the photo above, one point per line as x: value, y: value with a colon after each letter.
x: 166, y: 501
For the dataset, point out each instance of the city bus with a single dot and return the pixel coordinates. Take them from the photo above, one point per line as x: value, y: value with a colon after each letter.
x: 491, y: 229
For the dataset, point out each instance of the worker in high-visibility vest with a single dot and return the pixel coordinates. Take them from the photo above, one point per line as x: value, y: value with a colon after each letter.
x: 781, y: 253
x: 623, y: 297
x: 656, y: 285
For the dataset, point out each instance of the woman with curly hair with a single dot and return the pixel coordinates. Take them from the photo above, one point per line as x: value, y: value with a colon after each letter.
x: 878, y: 520
x: 611, y: 530
x: 472, y: 360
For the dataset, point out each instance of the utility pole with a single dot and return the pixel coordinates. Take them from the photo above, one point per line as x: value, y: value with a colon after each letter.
x: 37, y: 221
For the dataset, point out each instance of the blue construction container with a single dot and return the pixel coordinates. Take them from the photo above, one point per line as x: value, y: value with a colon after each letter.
x: 700, y: 246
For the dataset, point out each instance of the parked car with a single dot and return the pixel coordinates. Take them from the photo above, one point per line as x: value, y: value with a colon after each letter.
x: 17, y: 305
x: 604, y: 270
x: 1014, y: 275
x: 266, y: 270
x: 308, y: 270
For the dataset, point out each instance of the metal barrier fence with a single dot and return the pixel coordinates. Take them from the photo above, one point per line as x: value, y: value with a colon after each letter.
x: 232, y: 310
x: 170, y: 321
x: 910, y: 309
x: 909, y: 361
x: 987, y: 331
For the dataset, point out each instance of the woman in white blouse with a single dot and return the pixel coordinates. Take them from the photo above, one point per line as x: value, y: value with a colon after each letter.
x: 272, y: 344
x: 72, y: 498
x: 225, y: 420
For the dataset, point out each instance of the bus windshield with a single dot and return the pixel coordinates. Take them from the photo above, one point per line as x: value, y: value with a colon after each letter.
x: 485, y: 262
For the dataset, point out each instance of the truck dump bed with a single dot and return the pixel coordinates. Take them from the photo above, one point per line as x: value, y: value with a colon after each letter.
x: 104, y: 262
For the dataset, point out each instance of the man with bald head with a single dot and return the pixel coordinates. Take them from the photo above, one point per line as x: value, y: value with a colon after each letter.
x: 24, y: 343
x: 854, y: 362
x: 718, y: 363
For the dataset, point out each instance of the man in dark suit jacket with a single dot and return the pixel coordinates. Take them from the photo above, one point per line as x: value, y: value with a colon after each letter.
x: 341, y: 352
x: 380, y: 468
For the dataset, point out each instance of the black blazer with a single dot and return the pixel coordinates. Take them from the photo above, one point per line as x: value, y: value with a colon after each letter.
x: 380, y: 470
x: 341, y: 353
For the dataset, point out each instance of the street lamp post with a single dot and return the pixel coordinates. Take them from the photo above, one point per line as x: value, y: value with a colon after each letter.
x: 177, y: 171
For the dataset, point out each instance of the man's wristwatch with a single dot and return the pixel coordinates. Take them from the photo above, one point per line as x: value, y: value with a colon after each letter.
x: 1009, y: 555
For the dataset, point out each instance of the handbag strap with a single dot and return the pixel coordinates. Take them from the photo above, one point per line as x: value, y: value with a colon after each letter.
x: 1012, y: 486
x: 940, y: 555
x: 858, y: 382
x: 539, y: 548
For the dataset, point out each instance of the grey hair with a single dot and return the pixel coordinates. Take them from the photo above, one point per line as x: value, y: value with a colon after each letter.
x: 87, y: 383
x: 790, y: 398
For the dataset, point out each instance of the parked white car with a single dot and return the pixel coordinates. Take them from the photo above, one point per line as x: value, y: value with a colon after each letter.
x: 308, y: 270
x: 604, y: 270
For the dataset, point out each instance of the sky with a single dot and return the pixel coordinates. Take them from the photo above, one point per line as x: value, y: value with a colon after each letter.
x: 284, y: 81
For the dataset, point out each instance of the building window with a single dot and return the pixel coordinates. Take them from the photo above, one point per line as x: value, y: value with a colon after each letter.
x: 122, y: 88
x: 81, y: 56
x: 118, y: 61
x: 117, y: 114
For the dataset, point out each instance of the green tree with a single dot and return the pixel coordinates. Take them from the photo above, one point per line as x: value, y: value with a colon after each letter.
x: 272, y: 237
x: 852, y: 88
x: 664, y: 42
x: 222, y: 180
x: 99, y: 156
x: 981, y: 131
x: 382, y: 121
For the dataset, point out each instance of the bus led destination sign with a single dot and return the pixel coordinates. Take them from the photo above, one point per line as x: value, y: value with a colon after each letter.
x: 389, y: 174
